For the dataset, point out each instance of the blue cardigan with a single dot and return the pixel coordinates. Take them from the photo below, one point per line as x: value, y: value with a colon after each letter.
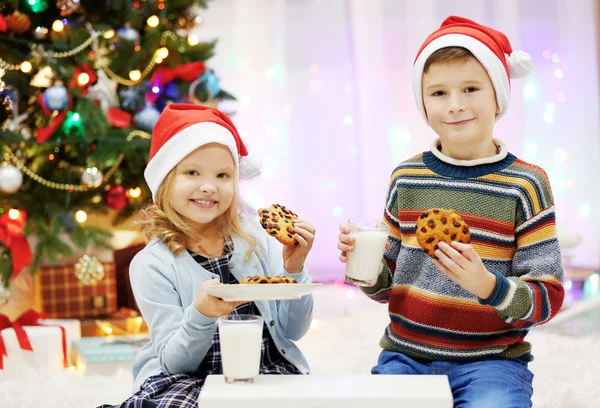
x: 165, y: 286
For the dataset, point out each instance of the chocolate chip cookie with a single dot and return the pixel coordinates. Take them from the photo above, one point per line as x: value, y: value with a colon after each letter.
x: 437, y: 224
x: 279, y: 223
x: 254, y: 280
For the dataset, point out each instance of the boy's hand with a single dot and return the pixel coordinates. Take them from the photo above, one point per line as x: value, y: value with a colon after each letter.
x: 346, y: 242
x: 463, y: 265
x: 295, y: 255
x: 211, y: 306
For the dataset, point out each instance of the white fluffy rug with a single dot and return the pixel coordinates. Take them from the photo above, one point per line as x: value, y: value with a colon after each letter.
x: 343, y: 339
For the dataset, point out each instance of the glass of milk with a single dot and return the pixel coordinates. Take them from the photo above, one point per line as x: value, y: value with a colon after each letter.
x: 241, y: 341
x: 364, y: 263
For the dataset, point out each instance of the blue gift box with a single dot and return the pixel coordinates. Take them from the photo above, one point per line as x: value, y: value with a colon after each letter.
x: 96, y: 355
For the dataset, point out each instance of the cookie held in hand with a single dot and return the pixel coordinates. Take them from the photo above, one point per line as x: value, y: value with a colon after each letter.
x: 279, y: 223
x: 253, y: 280
x: 437, y: 224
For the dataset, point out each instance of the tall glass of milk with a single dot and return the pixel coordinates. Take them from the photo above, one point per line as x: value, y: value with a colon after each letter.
x: 241, y: 340
x: 364, y: 263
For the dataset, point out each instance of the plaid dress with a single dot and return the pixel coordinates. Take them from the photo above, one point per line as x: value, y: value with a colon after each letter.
x: 183, y: 390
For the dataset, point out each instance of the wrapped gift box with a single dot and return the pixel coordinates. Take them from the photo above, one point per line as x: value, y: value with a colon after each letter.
x: 61, y: 295
x: 106, y: 355
x: 119, y: 327
x: 47, y: 343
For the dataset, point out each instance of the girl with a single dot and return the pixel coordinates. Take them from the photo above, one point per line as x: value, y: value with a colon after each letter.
x: 197, y: 236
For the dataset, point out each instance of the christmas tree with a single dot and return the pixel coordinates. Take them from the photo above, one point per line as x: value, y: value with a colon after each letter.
x: 82, y: 83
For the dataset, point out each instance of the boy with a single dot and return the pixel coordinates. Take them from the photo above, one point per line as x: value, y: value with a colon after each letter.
x: 466, y: 313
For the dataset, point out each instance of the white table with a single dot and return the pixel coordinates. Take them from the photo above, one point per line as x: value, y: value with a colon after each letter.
x: 326, y: 391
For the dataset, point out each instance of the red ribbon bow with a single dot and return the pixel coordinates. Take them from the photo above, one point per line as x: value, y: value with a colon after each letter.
x: 11, y: 234
x: 28, y: 318
x: 186, y: 72
x: 41, y: 135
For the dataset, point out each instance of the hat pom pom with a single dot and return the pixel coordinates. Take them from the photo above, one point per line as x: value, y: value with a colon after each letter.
x: 519, y: 64
x: 249, y: 166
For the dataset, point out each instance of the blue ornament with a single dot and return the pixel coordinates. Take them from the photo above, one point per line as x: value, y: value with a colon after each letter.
x: 171, y: 91
x: 211, y: 81
x: 56, y: 97
x: 68, y: 221
x: 132, y: 98
x: 146, y: 118
x: 128, y: 33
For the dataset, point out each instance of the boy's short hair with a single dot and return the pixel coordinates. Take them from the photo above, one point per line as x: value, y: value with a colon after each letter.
x: 447, y: 55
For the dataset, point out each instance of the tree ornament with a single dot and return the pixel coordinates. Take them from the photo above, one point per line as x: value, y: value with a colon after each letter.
x: 68, y: 7
x: 92, y: 177
x: 11, y: 179
x: 26, y: 132
x: 40, y: 33
x: 6, y: 108
x: 43, y: 79
x: 132, y: 98
x: 116, y: 197
x: 147, y: 118
x: 18, y: 22
x: 104, y: 91
x: 128, y: 33
x: 89, y: 270
x: 56, y: 97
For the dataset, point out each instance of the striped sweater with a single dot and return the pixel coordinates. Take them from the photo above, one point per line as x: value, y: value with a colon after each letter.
x: 509, y: 207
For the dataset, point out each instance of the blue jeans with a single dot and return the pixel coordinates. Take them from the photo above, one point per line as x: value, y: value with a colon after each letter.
x: 474, y: 384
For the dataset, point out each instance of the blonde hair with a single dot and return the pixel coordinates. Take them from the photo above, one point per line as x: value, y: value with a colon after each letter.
x: 160, y: 220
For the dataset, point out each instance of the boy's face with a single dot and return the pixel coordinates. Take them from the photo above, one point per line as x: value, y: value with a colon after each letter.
x: 460, y: 102
x: 204, y: 184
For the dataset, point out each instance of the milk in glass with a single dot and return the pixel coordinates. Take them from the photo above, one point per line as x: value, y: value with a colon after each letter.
x: 240, y: 347
x: 364, y: 262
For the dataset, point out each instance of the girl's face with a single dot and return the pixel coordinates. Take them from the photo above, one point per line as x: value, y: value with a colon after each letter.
x: 203, y: 188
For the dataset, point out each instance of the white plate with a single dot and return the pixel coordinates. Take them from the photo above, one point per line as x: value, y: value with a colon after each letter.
x: 282, y: 291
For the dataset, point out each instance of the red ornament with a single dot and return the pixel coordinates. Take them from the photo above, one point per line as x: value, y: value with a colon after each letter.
x: 3, y: 25
x: 116, y: 197
x: 18, y: 22
x: 79, y: 69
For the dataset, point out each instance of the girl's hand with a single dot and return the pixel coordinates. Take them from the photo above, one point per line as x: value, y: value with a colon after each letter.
x: 295, y: 255
x: 211, y: 306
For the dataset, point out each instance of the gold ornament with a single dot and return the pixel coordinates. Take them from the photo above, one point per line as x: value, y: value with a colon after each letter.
x: 89, y: 270
x: 91, y: 177
x: 40, y: 33
x: 43, y: 79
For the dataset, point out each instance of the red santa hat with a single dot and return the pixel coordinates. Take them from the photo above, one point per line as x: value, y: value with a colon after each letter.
x: 181, y: 129
x: 490, y: 47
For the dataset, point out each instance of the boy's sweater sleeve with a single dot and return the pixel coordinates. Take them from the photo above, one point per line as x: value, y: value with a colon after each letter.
x: 181, y: 337
x: 534, y: 293
x: 383, y: 287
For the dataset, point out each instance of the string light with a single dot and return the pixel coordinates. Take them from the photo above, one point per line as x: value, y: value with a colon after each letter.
x: 109, y: 34
x: 153, y: 21
x: 193, y: 40
x: 83, y: 79
x: 135, y: 75
x: 162, y: 52
x: 58, y: 26
x: 26, y: 67
x: 135, y: 192
x: 81, y: 216
x: 14, y: 214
